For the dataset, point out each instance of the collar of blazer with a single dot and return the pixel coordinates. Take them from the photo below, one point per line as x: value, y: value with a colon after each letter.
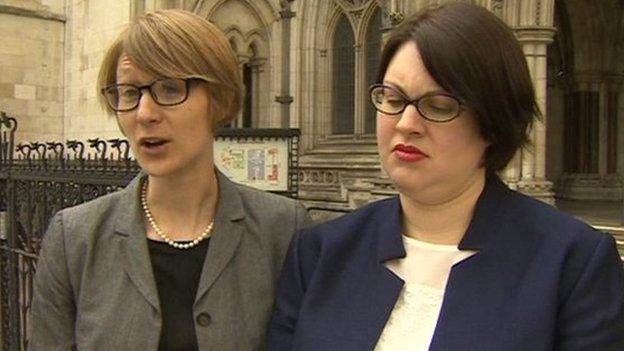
x: 489, y: 216
x: 226, y: 235
x: 482, y: 230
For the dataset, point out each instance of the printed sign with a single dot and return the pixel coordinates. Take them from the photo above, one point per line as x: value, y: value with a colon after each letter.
x: 258, y: 163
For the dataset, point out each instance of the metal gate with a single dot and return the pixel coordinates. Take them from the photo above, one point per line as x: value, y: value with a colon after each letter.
x: 36, y: 181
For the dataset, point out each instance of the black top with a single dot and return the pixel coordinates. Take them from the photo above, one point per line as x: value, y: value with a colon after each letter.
x: 177, y: 275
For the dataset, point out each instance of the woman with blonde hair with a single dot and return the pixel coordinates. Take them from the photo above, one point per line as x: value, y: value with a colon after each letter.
x: 182, y: 258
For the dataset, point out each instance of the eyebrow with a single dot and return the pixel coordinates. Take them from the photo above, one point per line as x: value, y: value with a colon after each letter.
x: 406, y: 95
x: 131, y: 79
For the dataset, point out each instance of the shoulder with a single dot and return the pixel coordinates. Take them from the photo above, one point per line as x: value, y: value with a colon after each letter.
x: 93, y: 209
x: 363, y: 216
x: 533, y: 231
x: 266, y: 210
x: 266, y: 215
x: 354, y: 241
x: 549, y: 223
x: 83, y: 225
x: 75, y: 231
x: 585, y: 266
x: 260, y: 201
x: 358, y: 228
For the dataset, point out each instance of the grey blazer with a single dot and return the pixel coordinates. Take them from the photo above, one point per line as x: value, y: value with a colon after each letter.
x: 94, y: 288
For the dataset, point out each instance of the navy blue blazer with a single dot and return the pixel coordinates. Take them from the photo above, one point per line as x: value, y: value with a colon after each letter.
x: 541, y: 280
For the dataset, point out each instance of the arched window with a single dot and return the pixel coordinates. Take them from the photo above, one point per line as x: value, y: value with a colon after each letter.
x: 373, y: 56
x: 343, y: 78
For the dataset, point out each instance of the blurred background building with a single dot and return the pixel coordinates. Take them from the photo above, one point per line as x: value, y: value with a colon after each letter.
x: 307, y: 64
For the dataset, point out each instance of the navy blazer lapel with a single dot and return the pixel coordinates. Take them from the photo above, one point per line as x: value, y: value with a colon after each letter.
x: 470, y: 291
x: 384, y: 284
x: 226, y: 234
x: 376, y: 288
x: 488, y: 215
x: 389, y: 231
x: 375, y: 306
x: 133, y: 243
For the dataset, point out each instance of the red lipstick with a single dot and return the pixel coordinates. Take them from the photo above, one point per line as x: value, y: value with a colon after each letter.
x: 408, y: 153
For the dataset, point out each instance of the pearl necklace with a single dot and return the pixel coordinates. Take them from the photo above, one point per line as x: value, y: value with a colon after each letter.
x: 162, y: 234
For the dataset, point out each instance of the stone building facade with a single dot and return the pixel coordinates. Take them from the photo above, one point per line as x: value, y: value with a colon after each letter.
x: 31, y: 66
x: 307, y: 64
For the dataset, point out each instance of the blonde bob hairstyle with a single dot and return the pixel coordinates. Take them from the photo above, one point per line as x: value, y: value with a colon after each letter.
x: 179, y: 44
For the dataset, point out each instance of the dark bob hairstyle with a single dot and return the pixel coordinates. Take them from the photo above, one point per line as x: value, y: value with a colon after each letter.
x: 474, y: 55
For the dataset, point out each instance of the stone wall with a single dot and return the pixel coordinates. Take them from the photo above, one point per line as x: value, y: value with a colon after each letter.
x: 31, y: 61
x: 91, y: 27
x: 50, y: 56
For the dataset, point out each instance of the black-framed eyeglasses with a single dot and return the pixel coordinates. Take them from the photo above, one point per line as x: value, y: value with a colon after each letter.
x: 435, y: 107
x: 165, y: 92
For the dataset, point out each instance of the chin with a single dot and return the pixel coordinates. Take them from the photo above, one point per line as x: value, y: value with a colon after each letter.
x: 410, y: 188
x: 156, y: 170
x: 407, y: 181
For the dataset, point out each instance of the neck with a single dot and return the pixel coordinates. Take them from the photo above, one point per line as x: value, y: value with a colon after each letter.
x: 444, y: 222
x: 183, y: 207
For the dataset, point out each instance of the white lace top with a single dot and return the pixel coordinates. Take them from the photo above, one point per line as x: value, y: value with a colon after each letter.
x: 425, y: 270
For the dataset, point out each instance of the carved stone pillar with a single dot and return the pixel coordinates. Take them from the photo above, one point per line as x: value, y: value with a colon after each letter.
x: 609, y: 103
x: 528, y: 171
x: 285, y: 98
x: 260, y: 114
x: 360, y: 96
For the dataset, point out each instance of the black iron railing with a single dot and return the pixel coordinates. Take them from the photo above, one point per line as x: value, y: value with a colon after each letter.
x: 37, y: 180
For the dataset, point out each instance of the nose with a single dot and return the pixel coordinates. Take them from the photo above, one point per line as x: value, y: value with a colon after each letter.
x: 410, y: 121
x: 148, y: 110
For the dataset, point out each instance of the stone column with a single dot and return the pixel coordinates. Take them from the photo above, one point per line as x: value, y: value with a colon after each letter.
x: 360, y: 91
x: 613, y: 101
x: 393, y: 14
x: 608, y: 132
x: 529, y: 170
x: 243, y: 59
x: 285, y: 98
x: 260, y: 115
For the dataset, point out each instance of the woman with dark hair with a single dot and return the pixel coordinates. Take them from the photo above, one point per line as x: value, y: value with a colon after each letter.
x: 182, y: 258
x: 456, y: 261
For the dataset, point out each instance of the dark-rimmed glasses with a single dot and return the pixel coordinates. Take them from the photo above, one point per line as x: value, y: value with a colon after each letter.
x: 164, y: 92
x: 435, y: 107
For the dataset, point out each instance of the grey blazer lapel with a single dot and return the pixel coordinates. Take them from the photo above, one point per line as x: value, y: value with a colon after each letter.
x: 133, y: 243
x: 226, y: 234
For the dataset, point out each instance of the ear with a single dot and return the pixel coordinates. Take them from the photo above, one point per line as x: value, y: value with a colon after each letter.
x: 213, y: 113
x: 123, y: 132
x: 221, y: 111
